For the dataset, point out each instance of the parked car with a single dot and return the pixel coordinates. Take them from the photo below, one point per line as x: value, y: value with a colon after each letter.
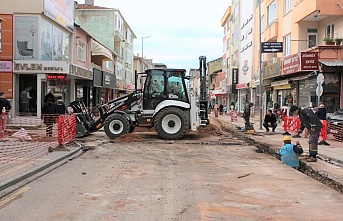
x: 336, y: 125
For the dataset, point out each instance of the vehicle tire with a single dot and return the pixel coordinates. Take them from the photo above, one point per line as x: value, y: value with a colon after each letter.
x: 171, y: 123
x: 132, y: 128
x: 116, y: 125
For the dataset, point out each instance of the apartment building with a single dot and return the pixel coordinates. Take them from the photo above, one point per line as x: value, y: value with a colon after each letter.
x: 308, y: 71
x: 96, y: 20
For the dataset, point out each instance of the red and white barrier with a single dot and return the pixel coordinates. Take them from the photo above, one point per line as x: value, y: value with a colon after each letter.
x: 3, y: 122
x: 66, y: 128
x: 233, y: 115
x: 291, y: 124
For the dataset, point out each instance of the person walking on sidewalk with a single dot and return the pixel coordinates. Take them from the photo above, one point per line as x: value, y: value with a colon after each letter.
x: 25, y: 99
x: 4, y: 103
x: 48, y: 115
x: 270, y: 121
x: 311, y: 122
x: 289, y: 152
x: 246, y: 116
x: 322, y: 114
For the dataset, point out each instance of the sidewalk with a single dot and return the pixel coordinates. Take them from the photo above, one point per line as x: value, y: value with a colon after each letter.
x: 328, y: 169
x: 334, y: 152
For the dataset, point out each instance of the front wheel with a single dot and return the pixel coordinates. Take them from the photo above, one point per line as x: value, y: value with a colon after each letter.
x: 116, y: 125
x: 171, y: 123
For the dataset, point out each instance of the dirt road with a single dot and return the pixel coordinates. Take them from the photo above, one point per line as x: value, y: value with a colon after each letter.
x: 220, y: 179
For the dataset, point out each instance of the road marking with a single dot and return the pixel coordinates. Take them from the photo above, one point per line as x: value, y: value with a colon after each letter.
x: 13, y: 196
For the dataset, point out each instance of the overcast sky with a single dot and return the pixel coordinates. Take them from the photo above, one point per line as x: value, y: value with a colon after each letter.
x: 180, y: 30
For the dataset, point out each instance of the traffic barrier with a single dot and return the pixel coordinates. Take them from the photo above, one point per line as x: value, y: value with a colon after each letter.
x: 291, y: 124
x: 233, y: 115
x: 324, y: 130
x: 216, y: 112
x: 3, y: 122
x: 66, y: 129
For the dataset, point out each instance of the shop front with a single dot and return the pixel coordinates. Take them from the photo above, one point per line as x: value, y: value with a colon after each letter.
x: 243, y: 96
x: 39, y: 77
x: 108, y: 86
x: 120, y: 87
x: 83, y: 85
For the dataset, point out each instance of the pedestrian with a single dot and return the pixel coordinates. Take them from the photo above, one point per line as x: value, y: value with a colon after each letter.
x: 221, y: 109
x: 321, y: 112
x: 50, y: 95
x: 322, y: 115
x: 270, y: 121
x: 246, y: 116
x: 4, y: 103
x: 311, y: 122
x: 25, y: 100
x: 48, y: 115
x: 289, y: 152
x: 216, y: 109
x: 61, y: 108
x: 225, y: 109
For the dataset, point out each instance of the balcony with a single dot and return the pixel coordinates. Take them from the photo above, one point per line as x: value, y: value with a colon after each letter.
x: 271, y: 32
x: 118, y: 36
x: 315, y: 10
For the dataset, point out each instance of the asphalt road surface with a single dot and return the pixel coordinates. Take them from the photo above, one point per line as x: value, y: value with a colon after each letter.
x: 220, y: 179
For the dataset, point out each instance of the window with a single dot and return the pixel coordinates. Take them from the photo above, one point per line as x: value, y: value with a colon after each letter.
x: 330, y: 31
x: 228, y: 43
x: 272, y: 12
x: 228, y: 62
x: 108, y: 65
x: 312, y: 37
x: 0, y: 37
x: 287, y: 45
x: 81, y: 50
x: 262, y: 24
x: 287, y: 6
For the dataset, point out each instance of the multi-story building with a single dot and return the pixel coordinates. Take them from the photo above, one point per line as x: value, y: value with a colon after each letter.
x: 294, y: 76
x: 41, y: 48
x: 217, y: 82
x: 96, y: 20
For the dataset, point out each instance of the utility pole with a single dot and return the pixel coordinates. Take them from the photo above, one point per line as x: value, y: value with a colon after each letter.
x: 143, y: 43
x: 260, y: 69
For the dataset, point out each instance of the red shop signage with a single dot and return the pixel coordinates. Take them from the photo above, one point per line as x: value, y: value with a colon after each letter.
x: 303, y: 61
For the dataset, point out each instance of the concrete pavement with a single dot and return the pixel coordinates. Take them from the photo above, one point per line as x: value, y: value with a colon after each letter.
x: 328, y: 169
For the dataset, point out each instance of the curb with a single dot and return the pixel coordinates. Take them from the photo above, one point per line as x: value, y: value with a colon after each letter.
x: 12, y: 184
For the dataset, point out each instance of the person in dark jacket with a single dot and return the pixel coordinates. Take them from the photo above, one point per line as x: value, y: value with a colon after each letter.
x: 246, y: 116
x: 50, y: 96
x: 4, y: 103
x: 321, y: 112
x: 311, y: 122
x: 270, y: 121
x: 48, y: 116
x: 61, y: 108
x: 289, y: 152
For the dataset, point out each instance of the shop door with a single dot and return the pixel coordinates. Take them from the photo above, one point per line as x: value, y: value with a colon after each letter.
x: 28, y: 81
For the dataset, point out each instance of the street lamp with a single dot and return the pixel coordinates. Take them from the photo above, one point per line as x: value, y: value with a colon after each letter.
x: 143, y: 44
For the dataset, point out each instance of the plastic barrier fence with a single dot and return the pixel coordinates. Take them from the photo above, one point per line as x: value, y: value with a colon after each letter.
x: 3, y: 123
x: 291, y: 124
x: 66, y: 129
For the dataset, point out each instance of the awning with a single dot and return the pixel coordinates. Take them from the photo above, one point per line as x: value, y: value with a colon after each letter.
x: 332, y: 63
x: 98, y: 50
x: 279, y: 83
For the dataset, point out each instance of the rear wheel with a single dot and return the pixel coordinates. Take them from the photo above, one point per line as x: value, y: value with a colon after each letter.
x: 171, y: 123
x: 116, y: 125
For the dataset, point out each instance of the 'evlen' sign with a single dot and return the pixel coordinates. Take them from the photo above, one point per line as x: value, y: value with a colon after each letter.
x: 303, y: 61
x: 41, y: 67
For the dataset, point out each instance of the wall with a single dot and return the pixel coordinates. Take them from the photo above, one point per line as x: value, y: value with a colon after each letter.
x: 6, y: 55
x: 20, y: 6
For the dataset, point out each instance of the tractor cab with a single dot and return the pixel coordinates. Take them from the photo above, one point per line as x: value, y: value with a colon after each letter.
x: 164, y: 84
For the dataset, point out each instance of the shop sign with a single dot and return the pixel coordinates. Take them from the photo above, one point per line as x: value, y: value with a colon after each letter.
x: 242, y: 86
x: 303, y: 61
x: 121, y: 84
x: 41, y: 67
x: 56, y: 77
x: 108, y: 80
x: 61, y: 12
x: 6, y: 66
x: 291, y: 64
x: 81, y: 72
x: 234, y: 75
x: 130, y: 87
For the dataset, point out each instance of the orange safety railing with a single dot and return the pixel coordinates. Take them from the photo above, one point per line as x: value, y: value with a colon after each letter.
x: 66, y: 129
